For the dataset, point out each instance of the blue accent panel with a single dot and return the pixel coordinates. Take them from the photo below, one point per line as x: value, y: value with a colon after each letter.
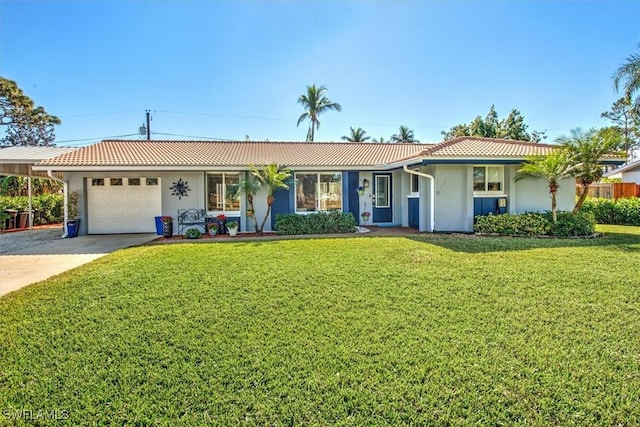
x: 487, y: 205
x: 351, y: 180
x: 414, y: 212
x: 282, y: 203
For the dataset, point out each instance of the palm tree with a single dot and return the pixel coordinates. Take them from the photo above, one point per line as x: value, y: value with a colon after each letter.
x: 270, y: 178
x: 357, y: 135
x: 405, y: 135
x: 551, y: 168
x: 630, y: 73
x: 315, y: 103
x: 379, y: 140
x: 586, y: 149
x: 248, y: 187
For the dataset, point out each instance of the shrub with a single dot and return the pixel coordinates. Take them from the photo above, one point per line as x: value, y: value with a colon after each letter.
x: 192, y: 233
x: 537, y: 224
x: 316, y: 223
x: 48, y: 208
x: 524, y: 224
x: 624, y: 211
x: 571, y: 225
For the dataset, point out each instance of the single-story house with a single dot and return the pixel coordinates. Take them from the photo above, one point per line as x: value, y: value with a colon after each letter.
x: 124, y: 184
x: 627, y: 173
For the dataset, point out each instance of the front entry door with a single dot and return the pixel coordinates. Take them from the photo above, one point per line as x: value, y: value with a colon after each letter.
x: 382, y: 200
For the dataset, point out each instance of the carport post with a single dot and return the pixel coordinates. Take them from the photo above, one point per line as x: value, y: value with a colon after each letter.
x: 30, y: 206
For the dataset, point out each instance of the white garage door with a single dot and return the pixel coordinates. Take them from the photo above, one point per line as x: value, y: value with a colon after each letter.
x: 123, y: 205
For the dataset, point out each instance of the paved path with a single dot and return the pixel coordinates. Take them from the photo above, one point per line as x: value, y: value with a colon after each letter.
x: 25, y: 266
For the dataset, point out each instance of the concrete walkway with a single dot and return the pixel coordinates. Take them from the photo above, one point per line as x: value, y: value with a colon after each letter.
x: 26, y: 266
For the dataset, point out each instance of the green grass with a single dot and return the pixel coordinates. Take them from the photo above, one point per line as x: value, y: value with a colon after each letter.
x: 431, y: 329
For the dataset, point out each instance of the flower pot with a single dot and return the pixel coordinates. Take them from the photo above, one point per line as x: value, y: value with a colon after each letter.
x: 167, y: 229
x: 212, y: 231
x: 233, y: 231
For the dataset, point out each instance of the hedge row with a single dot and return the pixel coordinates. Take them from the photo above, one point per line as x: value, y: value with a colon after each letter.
x: 619, y: 211
x: 48, y: 208
x: 316, y: 223
x: 537, y: 224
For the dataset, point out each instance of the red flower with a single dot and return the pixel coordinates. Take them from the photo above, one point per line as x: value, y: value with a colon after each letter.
x: 221, y: 217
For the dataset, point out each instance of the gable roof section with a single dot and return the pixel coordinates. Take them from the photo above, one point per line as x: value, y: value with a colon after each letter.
x: 630, y: 167
x: 478, y: 147
x: 128, y: 153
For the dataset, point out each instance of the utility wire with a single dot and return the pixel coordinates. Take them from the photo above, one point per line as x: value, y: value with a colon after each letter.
x: 91, y: 139
x: 193, y: 136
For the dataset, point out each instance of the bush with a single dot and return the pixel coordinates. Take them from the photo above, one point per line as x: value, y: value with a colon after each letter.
x: 536, y: 224
x: 571, y: 225
x: 524, y: 224
x: 192, y: 233
x: 624, y: 211
x: 316, y: 223
x: 48, y: 208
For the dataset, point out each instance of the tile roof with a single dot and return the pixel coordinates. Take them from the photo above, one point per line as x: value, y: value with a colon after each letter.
x: 478, y: 147
x: 31, y: 154
x: 136, y: 153
x: 239, y: 154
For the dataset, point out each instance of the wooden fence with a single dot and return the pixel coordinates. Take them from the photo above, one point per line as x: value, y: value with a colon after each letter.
x: 614, y: 190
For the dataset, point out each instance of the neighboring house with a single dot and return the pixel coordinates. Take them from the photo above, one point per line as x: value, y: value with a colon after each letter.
x: 627, y: 173
x: 438, y: 187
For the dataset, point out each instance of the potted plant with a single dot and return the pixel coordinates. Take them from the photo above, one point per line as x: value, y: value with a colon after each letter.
x: 212, y: 229
x: 360, y: 191
x: 222, y: 224
x: 365, y: 216
x: 250, y: 213
x: 73, y: 222
x: 233, y: 228
x: 167, y: 227
x: 192, y: 233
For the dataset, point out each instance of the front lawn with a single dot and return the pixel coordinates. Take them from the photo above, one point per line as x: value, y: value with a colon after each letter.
x: 431, y: 329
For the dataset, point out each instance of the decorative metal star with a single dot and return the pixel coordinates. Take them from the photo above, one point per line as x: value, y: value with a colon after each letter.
x: 180, y: 189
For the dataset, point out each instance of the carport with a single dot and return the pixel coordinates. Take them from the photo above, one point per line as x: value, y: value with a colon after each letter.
x: 19, y: 161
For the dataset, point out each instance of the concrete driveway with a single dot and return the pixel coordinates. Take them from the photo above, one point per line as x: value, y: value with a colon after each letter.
x: 33, y: 264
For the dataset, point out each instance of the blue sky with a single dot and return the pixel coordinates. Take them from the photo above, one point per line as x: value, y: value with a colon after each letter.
x: 230, y: 69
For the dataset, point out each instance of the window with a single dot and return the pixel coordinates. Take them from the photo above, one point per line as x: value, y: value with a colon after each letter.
x: 414, y: 183
x: 220, y: 186
x: 115, y: 181
x: 382, y: 191
x: 488, y: 178
x: 151, y: 181
x: 318, y: 191
x: 97, y: 182
x: 133, y: 181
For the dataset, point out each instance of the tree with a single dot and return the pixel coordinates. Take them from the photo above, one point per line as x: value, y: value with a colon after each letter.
x: 551, y: 168
x: 23, y: 123
x: 269, y: 178
x: 357, y: 135
x: 585, y: 151
x: 379, y: 140
x: 404, y: 135
x: 315, y: 103
x: 628, y: 74
x: 511, y: 127
x: 626, y: 121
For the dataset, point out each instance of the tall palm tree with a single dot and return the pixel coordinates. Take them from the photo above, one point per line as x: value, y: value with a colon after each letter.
x: 630, y: 73
x: 404, y: 135
x: 315, y: 103
x: 551, y: 168
x: 586, y: 150
x: 270, y: 178
x: 357, y: 135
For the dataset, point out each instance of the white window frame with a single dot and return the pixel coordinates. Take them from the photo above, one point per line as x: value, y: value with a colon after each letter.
x: 317, y: 191
x: 387, y: 185
x: 486, y: 190
x: 224, y: 194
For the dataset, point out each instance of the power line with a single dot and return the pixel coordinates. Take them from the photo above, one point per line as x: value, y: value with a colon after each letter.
x: 99, y: 114
x: 193, y: 136
x: 97, y: 137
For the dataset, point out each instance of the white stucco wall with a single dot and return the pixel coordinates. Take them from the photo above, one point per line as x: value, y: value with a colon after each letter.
x: 533, y: 196
x: 631, y: 176
x: 453, y: 198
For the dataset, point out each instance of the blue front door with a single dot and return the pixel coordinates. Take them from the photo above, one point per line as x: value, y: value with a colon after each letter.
x: 382, y: 200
